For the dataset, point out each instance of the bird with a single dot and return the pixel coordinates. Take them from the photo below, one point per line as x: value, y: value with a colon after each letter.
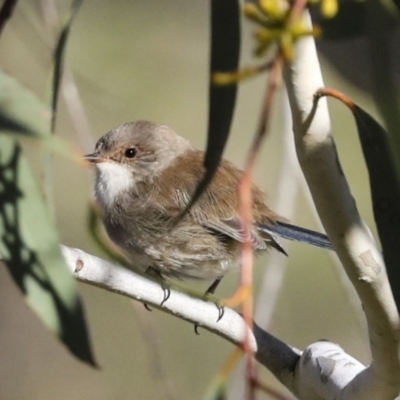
x: 145, y: 177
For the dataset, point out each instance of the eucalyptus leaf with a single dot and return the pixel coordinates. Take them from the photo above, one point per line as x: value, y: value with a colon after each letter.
x: 225, y: 51
x: 21, y: 111
x: 11, y: 125
x: 380, y: 18
x: 385, y: 192
x: 29, y: 246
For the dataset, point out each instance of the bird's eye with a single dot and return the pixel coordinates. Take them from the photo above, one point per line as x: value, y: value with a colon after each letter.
x: 130, y: 153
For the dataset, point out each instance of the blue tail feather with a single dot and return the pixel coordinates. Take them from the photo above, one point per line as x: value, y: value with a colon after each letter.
x: 292, y: 232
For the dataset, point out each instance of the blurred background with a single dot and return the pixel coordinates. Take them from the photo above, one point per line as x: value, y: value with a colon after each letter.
x: 149, y: 60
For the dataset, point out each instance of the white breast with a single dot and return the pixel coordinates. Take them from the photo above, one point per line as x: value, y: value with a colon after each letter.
x: 112, y: 179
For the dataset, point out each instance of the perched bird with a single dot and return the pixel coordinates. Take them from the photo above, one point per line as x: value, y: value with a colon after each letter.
x: 145, y: 177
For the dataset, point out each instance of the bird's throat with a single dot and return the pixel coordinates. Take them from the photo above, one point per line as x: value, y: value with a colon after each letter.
x: 112, y: 179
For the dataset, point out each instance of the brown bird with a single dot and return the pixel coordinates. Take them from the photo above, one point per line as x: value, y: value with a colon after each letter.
x: 145, y: 177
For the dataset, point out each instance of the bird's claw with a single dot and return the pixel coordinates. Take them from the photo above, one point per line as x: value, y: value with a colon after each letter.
x: 167, y: 293
x: 221, y: 311
x: 220, y: 307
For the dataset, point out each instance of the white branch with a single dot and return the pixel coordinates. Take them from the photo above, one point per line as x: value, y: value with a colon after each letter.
x: 322, y: 363
x: 271, y: 352
x: 351, y: 238
x: 98, y: 272
x: 95, y: 271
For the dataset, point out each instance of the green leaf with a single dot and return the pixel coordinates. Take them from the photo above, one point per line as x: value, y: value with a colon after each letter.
x: 29, y: 246
x: 21, y: 111
x: 11, y: 125
x: 385, y: 192
x: 225, y: 50
x: 380, y: 19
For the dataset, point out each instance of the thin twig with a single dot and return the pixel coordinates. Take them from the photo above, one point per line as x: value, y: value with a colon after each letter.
x: 245, y: 189
x: 287, y: 191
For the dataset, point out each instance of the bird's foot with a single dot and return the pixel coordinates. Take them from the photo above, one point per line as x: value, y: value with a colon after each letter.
x: 219, y: 303
x: 209, y: 296
x: 155, y: 274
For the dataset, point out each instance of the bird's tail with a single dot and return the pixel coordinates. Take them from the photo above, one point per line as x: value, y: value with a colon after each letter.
x: 292, y: 232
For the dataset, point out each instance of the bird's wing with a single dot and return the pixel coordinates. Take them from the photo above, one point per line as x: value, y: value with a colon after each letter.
x: 233, y: 229
x: 218, y: 207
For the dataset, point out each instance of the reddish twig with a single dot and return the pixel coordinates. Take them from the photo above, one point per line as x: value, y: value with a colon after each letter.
x: 337, y: 95
x: 244, y: 293
x: 296, y: 10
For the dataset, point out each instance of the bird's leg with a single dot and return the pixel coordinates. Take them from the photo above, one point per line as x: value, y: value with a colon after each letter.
x: 156, y: 275
x: 213, y: 286
x: 209, y: 295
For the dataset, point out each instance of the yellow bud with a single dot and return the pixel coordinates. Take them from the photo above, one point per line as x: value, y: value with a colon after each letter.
x: 262, y: 48
x: 250, y: 10
x: 254, y: 14
x: 329, y: 8
x: 272, y: 8
x: 263, y: 34
x: 224, y: 78
x: 287, y: 46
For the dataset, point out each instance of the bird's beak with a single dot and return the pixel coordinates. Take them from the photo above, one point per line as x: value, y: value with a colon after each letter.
x: 94, y: 158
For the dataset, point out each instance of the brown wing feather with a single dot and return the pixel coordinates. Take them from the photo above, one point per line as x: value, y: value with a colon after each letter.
x: 218, y: 208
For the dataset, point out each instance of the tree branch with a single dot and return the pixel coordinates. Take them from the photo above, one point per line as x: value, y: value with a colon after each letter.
x: 270, y: 351
x: 323, y: 364
x: 351, y: 238
x: 114, y: 278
